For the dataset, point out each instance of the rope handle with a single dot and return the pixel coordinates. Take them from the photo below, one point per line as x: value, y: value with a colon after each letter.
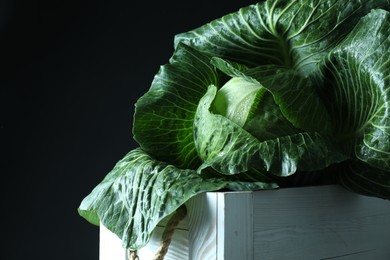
x: 167, y: 235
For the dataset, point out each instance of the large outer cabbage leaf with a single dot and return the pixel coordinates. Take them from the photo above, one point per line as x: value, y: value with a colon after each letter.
x: 357, y: 87
x: 140, y: 191
x: 291, y: 33
x: 165, y: 114
x: 363, y: 179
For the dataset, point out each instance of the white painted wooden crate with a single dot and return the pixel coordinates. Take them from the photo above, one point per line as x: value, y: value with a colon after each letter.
x: 324, y: 222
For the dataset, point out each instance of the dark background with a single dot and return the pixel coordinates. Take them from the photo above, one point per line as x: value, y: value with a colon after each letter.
x: 71, y: 73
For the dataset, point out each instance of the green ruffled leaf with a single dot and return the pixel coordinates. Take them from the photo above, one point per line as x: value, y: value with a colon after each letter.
x: 364, y: 179
x: 297, y: 96
x: 164, y: 115
x: 294, y: 34
x: 140, y: 191
x: 265, y: 120
x: 229, y: 149
x: 358, y: 90
x: 251, y: 106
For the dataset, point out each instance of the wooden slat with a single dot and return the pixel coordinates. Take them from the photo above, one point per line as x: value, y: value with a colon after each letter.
x: 324, y: 222
x: 202, y: 213
x: 110, y: 246
x: 235, y: 225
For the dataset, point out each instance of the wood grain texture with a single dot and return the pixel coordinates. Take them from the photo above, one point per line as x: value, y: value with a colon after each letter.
x: 235, y: 225
x: 189, y: 241
x: 177, y: 250
x: 202, y: 213
x: 324, y: 222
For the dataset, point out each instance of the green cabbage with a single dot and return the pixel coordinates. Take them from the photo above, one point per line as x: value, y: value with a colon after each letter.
x: 281, y: 93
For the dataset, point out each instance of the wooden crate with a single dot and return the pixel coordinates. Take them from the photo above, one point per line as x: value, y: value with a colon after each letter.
x: 325, y: 222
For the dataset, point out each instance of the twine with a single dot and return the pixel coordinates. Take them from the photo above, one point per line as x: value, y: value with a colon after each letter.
x: 166, y: 238
x: 132, y: 255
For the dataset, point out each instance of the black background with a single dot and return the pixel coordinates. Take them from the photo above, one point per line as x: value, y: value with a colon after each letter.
x: 71, y: 73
